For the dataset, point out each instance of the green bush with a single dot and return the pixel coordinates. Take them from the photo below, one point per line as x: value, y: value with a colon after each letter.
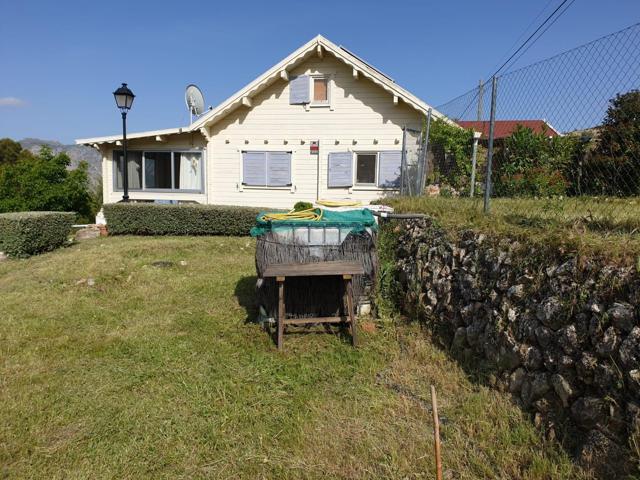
x: 300, y: 206
x: 451, y: 147
x: 531, y: 164
x: 185, y: 219
x: 27, y: 233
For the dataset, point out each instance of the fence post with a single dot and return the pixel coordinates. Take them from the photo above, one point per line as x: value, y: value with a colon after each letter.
x: 425, y: 155
x: 474, y: 156
x: 492, y: 122
x: 480, y: 99
x: 403, y: 162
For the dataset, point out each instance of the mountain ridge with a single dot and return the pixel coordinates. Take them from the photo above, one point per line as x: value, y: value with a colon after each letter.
x: 77, y: 153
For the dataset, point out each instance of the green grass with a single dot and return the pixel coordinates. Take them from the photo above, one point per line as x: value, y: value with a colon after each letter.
x: 609, y: 227
x: 156, y: 373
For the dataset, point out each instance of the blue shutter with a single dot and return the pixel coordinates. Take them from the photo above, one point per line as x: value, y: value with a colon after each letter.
x: 340, y: 169
x: 278, y: 169
x: 254, y: 168
x: 299, y: 90
x: 389, y: 166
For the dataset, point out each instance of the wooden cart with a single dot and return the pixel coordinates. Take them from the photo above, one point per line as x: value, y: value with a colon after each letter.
x: 346, y: 270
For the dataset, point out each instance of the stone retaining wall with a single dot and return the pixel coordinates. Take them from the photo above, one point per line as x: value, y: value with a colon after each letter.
x: 562, y: 334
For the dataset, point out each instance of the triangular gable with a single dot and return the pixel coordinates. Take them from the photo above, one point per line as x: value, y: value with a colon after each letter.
x: 317, y: 46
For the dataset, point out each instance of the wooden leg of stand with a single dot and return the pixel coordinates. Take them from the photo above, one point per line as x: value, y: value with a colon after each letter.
x: 281, y: 313
x: 352, y: 317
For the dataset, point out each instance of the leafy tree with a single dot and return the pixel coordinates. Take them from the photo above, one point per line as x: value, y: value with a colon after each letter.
x: 11, y: 151
x: 613, y: 167
x: 43, y: 182
x: 620, y: 132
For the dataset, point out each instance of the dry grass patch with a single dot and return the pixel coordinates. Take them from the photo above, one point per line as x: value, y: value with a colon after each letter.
x: 568, y: 224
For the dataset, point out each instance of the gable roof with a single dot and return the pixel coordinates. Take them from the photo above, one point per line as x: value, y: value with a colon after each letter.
x: 316, y: 46
x: 504, y: 128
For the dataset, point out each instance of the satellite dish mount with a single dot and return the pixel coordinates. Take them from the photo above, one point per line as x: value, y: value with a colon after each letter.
x: 195, y: 101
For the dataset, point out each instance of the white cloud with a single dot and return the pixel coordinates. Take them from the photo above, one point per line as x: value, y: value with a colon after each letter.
x: 12, y: 102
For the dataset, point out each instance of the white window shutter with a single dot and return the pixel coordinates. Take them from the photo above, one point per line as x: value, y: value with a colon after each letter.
x: 299, y: 90
x: 278, y: 169
x: 389, y: 166
x: 254, y: 168
x: 340, y: 167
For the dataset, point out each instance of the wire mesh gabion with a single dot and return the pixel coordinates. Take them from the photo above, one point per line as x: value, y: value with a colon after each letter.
x: 314, y: 296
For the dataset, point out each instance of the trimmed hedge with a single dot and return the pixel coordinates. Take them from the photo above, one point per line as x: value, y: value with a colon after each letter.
x: 28, y: 233
x: 183, y: 219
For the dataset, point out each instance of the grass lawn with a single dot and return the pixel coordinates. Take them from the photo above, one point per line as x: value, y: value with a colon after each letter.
x: 113, y: 368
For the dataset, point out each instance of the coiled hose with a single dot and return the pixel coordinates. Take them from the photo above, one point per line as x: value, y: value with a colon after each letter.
x: 310, y: 215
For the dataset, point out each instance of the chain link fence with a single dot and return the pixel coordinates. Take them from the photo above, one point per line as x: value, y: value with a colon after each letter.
x: 558, y: 139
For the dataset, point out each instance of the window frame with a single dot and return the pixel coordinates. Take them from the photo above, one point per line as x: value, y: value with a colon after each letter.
x: 369, y: 186
x: 355, y: 168
x: 144, y: 188
x: 312, y: 102
x: 242, y: 185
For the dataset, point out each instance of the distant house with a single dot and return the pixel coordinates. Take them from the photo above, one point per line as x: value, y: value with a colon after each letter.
x: 504, y: 128
x: 254, y: 148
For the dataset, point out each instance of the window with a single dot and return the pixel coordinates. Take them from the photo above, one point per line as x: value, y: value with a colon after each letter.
x: 134, y: 161
x: 157, y: 169
x: 321, y: 90
x: 187, y: 171
x: 366, y: 168
x: 380, y: 169
x: 266, y: 169
x: 160, y: 170
x: 310, y: 90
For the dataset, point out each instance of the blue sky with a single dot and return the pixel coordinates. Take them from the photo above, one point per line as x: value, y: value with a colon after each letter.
x: 61, y: 60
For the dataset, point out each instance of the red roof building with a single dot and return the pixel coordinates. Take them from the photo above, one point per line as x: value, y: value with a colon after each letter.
x: 504, y: 128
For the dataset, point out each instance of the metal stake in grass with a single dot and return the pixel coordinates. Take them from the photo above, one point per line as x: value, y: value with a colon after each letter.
x: 436, y: 433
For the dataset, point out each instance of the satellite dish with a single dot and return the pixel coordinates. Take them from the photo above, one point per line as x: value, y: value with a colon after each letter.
x: 194, y: 100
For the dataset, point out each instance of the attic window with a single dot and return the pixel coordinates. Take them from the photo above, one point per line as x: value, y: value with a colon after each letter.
x: 320, y: 90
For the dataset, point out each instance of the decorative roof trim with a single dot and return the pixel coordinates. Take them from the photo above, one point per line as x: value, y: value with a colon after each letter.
x: 280, y: 70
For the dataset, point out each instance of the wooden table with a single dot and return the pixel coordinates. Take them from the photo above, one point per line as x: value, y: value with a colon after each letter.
x: 346, y: 270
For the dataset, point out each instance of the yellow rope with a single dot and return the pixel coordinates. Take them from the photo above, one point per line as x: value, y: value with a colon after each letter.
x: 310, y: 215
x: 339, y: 203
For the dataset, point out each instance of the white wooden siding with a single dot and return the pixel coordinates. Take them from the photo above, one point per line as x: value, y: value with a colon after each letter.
x: 360, y: 111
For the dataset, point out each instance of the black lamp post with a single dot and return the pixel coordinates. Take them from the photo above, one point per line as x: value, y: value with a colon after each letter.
x: 124, y: 99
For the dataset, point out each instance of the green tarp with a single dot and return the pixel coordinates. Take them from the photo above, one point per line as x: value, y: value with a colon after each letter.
x: 355, y: 220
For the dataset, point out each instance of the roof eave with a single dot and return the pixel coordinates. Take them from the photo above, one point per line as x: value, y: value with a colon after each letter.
x: 131, y: 136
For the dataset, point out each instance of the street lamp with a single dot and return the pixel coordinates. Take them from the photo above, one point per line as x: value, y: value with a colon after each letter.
x: 124, y: 99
